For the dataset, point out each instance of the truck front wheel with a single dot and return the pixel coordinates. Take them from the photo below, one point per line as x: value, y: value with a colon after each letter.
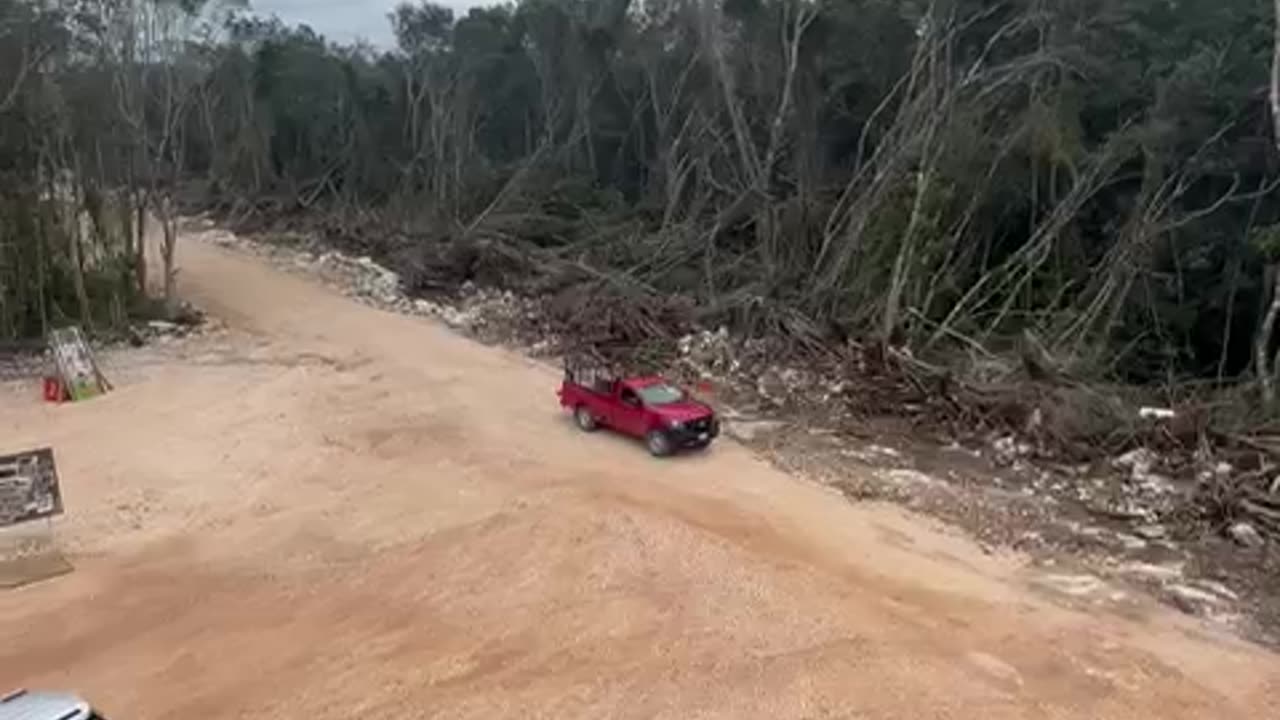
x: 658, y: 442
x: 586, y: 421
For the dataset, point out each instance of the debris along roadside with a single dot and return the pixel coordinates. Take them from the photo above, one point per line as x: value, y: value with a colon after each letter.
x: 491, y: 316
x: 1049, y: 467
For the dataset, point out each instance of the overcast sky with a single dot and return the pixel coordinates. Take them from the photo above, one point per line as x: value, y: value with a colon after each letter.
x: 345, y: 20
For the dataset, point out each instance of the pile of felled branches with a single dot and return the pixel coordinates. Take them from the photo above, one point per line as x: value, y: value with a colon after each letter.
x: 639, y: 332
x: 1244, y: 497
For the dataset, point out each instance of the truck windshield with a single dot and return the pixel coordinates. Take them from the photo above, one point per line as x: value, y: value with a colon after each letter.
x: 660, y: 394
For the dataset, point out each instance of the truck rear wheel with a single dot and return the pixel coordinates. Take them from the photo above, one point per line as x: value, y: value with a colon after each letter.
x: 658, y: 443
x: 586, y: 421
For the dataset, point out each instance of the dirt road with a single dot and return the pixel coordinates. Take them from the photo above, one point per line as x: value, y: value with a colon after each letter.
x: 333, y: 512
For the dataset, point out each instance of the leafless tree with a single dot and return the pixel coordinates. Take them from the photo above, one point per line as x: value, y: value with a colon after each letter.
x: 1262, y: 345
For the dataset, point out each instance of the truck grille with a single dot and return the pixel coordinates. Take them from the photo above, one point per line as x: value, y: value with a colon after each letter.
x: 701, y: 424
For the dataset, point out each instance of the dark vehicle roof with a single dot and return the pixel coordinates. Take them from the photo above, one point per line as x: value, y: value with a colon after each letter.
x: 24, y: 705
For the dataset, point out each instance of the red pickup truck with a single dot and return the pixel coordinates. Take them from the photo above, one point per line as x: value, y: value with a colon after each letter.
x: 643, y: 407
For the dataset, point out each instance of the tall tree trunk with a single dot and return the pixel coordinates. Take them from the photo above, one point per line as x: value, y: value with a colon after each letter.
x: 168, y: 252
x: 1275, y: 79
x: 905, y: 258
x: 140, y: 242
x: 77, y: 272
x: 1262, y: 345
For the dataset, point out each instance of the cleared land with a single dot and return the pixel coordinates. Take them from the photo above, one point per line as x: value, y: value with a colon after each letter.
x: 327, y: 511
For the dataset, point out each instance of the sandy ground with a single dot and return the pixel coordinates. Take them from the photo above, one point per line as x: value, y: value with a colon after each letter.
x: 328, y: 512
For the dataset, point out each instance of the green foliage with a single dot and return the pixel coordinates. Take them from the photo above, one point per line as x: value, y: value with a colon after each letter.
x: 1266, y: 240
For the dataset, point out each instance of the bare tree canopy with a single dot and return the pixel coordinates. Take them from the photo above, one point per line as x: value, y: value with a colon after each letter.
x: 941, y: 173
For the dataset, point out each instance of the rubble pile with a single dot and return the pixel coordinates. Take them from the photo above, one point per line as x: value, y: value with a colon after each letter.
x: 363, y: 278
x: 709, y: 354
x: 204, y: 230
x: 162, y: 331
x: 21, y: 361
x: 763, y: 375
x: 1246, y: 504
x: 1143, y: 494
x: 494, y: 316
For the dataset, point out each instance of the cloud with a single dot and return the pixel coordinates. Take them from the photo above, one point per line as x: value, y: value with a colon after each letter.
x: 345, y: 21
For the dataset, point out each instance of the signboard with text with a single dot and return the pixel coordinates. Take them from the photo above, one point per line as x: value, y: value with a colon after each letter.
x: 28, y: 487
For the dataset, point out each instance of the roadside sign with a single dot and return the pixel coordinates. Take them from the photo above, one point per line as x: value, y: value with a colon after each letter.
x: 29, y: 487
x: 80, y: 374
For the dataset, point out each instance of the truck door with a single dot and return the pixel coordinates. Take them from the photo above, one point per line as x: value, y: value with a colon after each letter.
x: 629, y: 412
